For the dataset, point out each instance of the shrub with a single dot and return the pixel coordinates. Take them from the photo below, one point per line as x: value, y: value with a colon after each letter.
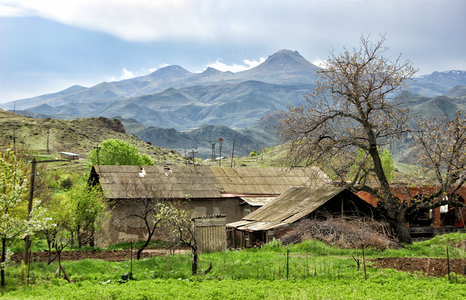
x: 275, y: 244
x: 66, y: 183
x: 342, y: 232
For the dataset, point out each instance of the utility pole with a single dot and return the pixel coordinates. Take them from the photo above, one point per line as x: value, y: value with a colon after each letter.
x: 14, y: 128
x: 27, y: 239
x: 220, y: 156
x: 98, y: 149
x: 193, y: 153
x: 232, y: 153
x: 48, y: 134
x: 213, y: 147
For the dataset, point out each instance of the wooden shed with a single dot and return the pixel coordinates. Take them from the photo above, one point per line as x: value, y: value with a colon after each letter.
x: 276, y: 217
x: 69, y: 155
x: 210, y: 232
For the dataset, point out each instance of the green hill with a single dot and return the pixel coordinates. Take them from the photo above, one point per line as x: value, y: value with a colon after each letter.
x: 77, y: 136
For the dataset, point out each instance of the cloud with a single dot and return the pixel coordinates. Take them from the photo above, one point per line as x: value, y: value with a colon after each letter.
x: 234, y: 67
x: 125, y: 74
x: 320, y: 62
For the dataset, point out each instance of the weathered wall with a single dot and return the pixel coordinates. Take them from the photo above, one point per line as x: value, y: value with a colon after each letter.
x: 116, y: 230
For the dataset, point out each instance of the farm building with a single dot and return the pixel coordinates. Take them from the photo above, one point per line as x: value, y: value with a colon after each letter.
x: 234, y: 192
x: 440, y: 220
x: 281, y: 214
x: 69, y: 155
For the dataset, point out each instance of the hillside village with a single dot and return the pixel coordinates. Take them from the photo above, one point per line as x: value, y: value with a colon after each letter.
x: 247, y: 196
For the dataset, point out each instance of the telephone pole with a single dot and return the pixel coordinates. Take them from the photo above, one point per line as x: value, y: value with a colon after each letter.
x: 220, y: 148
x: 213, y: 147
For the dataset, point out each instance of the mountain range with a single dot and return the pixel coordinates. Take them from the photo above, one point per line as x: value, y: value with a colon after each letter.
x: 177, y: 109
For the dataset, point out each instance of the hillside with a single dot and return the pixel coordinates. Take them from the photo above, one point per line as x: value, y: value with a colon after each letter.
x: 246, y: 139
x: 77, y: 136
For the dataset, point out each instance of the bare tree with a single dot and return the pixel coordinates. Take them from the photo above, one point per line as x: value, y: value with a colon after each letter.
x: 179, y: 228
x: 351, y: 109
x: 440, y: 150
x: 148, y: 208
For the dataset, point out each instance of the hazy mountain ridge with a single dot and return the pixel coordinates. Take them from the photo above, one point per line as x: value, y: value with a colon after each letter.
x: 226, y: 103
x: 255, y: 137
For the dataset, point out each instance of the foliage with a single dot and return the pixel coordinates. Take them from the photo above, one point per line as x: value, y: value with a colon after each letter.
x: 317, y: 270
x: 275, y: 244
x: 87, y: 204
x: 179, y: 228
x: 14, y: 218
x: 118, y: 152
x: 253, y: 153
x: 66, y: 183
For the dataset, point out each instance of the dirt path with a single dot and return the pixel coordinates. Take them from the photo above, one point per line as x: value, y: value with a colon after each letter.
x: 109, y: 255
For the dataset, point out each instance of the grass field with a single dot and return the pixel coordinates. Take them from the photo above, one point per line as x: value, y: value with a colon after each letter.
x: 310, y: 270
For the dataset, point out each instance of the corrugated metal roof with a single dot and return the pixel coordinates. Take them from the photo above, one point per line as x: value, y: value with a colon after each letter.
x: 255, y: 226
x: 238, y: 224
x: 257, y: 201
x: 294, y: 204
x: 127, y: 182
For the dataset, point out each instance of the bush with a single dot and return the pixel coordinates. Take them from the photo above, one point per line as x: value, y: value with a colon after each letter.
x: 342, y: 232
x: 275, y: 244
x: 66, y: 183
x: 253, y: 153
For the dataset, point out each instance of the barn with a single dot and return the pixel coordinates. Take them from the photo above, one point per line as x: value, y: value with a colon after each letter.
x: 233, y: 192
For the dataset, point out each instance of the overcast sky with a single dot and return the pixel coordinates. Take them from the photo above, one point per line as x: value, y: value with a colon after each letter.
x: 50, y: 45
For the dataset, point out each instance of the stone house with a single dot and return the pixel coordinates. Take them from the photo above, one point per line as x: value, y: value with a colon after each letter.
x: 233, y: 192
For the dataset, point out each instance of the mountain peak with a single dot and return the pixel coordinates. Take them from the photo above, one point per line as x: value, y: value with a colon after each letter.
x: 170, y: 71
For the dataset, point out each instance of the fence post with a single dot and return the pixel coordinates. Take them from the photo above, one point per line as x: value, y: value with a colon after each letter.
x: 448, y: 264
x: 287, y: 263
x: 364, y: 263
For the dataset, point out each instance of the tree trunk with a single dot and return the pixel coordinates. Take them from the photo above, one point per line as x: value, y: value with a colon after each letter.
x: 3, y: 260
x: 194, y: 266
x: 401, y: 225
x: 138, y: 255
x: 402, y: 231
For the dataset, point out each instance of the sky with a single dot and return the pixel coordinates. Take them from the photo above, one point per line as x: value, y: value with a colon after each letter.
x: 49, y: 45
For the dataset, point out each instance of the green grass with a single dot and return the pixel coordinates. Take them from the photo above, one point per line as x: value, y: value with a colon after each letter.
x: 315, y: 270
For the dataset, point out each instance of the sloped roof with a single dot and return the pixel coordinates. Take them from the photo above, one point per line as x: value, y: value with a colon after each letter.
x: 291, y: 206
x: 257, y: 201
x: 267, y: 180
x: 128, y: 182
x: 294, y: 204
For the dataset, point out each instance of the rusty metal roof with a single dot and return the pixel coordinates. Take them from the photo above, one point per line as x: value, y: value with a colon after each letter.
x: 293, y: 205
x: 127, y: 182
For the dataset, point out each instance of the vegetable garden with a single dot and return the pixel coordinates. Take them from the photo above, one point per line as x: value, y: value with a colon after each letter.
x: 309, y: 270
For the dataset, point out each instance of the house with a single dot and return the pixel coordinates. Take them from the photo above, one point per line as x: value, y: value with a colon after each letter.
x: 440, y: 220
x: 281, y: 214
x: 234, y: 192
x: 69, y: 155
